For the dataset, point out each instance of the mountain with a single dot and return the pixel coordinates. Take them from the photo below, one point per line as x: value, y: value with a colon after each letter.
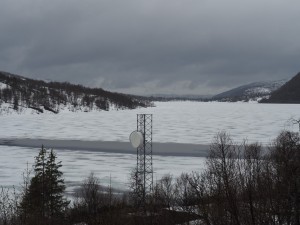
x: 288, y: 93
x: 254, y: 91
x: 21, y: 94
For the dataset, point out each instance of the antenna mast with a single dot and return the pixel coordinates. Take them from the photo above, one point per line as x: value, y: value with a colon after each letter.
x: 142, y: 140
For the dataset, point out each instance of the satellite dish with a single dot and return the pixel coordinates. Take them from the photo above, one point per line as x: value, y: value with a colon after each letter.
x: 136, y: 139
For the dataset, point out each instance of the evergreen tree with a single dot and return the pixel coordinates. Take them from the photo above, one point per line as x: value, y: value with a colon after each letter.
x: 33, y: 203
x: 43, y: 201
x: 55, y: 186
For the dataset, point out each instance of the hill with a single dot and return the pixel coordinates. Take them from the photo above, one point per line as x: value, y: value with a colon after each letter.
x: 21, y: 94
x: 288, y: 93
x: 174, y: 97
x: 254, y: 91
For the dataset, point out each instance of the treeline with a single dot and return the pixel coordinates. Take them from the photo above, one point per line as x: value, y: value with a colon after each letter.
x: 173, y: 98
x: 241, y: 185
x: 245, y: 185
x: 39, y: 95
x: 244, y: 97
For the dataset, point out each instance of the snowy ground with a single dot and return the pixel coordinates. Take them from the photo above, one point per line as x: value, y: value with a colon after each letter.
x: 175, y: 122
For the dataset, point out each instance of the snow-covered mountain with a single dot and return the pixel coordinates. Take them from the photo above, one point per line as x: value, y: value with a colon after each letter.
x: 20, y: 94
x: 250, y: 92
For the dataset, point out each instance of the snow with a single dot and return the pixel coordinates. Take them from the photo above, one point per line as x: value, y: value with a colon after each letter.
x: 2, y: 85
x: 178, y: 122
x: 77, y: 165
x: 258, y: 90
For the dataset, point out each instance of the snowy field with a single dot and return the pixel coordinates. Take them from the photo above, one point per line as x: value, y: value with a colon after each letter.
x: 177, y: 122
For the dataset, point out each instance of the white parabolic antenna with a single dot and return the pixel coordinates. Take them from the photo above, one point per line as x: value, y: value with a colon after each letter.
x: 136, y: 139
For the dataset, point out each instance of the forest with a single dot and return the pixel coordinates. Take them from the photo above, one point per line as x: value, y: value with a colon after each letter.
x: 289, y: 93
x: 243, y: 184
x: 20, y: 93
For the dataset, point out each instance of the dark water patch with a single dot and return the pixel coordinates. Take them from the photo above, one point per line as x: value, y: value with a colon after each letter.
x: 161, y: 149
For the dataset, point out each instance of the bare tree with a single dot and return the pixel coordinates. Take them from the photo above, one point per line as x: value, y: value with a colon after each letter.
x: 89, y: 197
x: 295, y: 121
x: 285, y: 166
x: 8, y: 206
x: 164, y: 191
x: 223, y: 169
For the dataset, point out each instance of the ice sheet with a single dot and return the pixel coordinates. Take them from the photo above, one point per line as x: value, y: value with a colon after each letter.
x: 77, y: 165
x: 178, y: 122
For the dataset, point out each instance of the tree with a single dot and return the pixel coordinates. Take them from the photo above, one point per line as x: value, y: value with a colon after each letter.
x: 94, y: 204
x: 55, y: 186
x: 43, y: 201
x: 246, y: 184
x: 222, y: 166
x: 8, y: 206
x: 90, y: 196
x: 295, y: 121
x: 16, y: 103
x: 164, y: 191
x: 285, y: 168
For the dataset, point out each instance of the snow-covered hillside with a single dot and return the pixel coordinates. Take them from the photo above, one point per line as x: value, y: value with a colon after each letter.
x: 23, y: 95
x: 250, y: 92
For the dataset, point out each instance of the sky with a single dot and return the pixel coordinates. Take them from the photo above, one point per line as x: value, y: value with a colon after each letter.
x: 199, y: 47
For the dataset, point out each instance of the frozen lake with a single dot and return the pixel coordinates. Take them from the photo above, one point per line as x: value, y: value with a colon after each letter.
x: 77, y: 165
x: 175, y: 122
x: 178, y: 122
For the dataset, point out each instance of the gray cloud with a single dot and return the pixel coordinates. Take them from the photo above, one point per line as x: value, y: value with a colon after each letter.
x: 139, y: 46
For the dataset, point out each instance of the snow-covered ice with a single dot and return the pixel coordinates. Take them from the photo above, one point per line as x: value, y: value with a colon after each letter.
x: 178, y: 122
x: 77, y: 165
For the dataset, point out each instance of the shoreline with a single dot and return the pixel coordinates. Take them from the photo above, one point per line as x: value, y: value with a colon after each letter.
x: 160, y: 149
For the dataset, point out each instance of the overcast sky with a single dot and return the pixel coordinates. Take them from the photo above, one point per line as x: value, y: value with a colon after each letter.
x: 151, y: 46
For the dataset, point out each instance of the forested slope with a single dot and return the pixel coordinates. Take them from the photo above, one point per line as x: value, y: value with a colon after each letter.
x: 19, y: 93
x: 288, y: 93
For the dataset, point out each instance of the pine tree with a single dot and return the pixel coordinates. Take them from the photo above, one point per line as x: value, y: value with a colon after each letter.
x: 55, y: 186
x: 33, y: 203
x: 43, y: 200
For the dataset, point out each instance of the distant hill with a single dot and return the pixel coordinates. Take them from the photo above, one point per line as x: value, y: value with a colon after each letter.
x: 174, y: 97
x: 288, y: 93
x: 254, y: 91
x: 19, y: 94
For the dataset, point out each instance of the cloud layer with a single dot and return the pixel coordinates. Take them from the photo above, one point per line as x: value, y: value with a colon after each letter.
x: 148, y: 47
